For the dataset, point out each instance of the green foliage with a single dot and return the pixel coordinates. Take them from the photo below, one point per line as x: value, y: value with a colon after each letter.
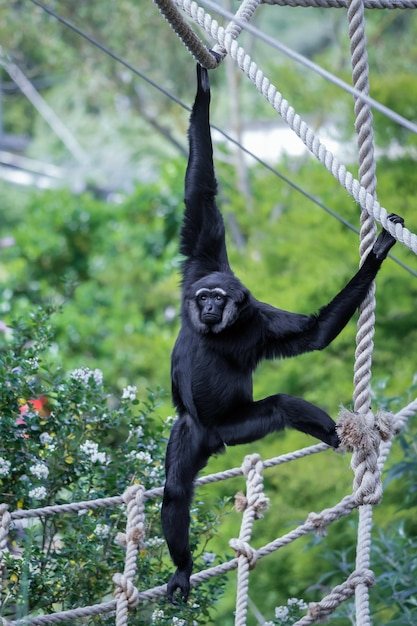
x: 63, y: 440
x: 113, y: 265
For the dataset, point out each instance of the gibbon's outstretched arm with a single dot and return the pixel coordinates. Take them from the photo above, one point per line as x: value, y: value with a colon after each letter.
x: 290, y: 334
x: 202, y: 239
x: 225, y: 332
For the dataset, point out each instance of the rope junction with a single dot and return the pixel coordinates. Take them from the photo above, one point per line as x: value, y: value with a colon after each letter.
x: 368, y: 436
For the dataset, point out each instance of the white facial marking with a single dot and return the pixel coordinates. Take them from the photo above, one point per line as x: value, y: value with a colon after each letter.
x: 217, y: 290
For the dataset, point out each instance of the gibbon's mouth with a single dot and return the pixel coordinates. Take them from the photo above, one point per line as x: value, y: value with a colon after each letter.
x: 210, y: 318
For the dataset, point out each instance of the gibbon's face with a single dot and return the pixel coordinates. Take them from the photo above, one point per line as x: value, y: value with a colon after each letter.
x: 211, y: 303
x: 215, y: 302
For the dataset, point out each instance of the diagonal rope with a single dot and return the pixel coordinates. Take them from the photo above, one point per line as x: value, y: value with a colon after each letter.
x: 242, y: 17
x: 190, y: 40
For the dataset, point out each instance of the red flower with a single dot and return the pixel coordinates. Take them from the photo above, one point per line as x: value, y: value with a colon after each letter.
x: 37, y: 405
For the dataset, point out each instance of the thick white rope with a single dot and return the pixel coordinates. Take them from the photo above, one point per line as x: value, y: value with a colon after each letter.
x: 320, y: 611
x: 126, y: 592
x: 5, y: 519
x: 252, y: 506
x: 367, y: 176
x: 234, y: 28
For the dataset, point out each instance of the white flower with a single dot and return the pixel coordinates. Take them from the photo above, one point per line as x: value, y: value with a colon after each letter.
x: 39, y: 493
x: 83, y: 375
x: 102, y: 530
x: 143, y: 456
x: 281, y: 612
x: 157, y: 615
x: 90, y: 449
x: 155, y: 542
x: 129, y: 393
x: 4, y: 466
x: 45, y: 438
x: 40, y: 470
x: 208, y: 558
x: 136, y: 432
x: 299, y: 603
x: 178, y: 621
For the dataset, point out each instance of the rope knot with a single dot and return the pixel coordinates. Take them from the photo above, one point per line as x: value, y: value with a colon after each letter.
x: 125, y: 587
x: 319, y: 522
x: 362, y: 433
x: 361, y: 577
x: 135, y: 536
x: 320, y: 611
x: 242, y: 548
x: 241, y: 502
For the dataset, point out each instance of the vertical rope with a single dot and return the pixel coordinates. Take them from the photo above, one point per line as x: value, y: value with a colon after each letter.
x: 366, y: 322
x: 126, y: 592
x: 367, y: 177
x: 253, y: 504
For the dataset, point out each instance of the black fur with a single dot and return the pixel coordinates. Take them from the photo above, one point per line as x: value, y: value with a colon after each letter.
x: 212, y: 363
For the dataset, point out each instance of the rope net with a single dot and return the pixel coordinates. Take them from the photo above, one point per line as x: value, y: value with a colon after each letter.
x: 369, y: 437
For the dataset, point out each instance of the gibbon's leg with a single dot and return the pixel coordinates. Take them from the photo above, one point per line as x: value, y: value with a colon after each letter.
x: 255, y: 420
x: 187, y: 453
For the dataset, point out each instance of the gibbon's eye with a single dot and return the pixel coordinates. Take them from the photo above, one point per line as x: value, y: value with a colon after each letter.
x: 219, y: 298
x: 202, y: 297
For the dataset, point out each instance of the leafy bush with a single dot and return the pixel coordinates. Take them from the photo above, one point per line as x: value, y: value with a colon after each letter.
x: 64, y: 439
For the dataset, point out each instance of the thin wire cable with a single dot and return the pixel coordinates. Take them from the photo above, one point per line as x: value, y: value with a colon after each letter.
x: 177, y: 100
x: 112, y: 54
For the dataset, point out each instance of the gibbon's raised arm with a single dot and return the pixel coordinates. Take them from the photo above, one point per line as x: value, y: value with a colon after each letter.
x: 202, y: 239
x: 290, y: 334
